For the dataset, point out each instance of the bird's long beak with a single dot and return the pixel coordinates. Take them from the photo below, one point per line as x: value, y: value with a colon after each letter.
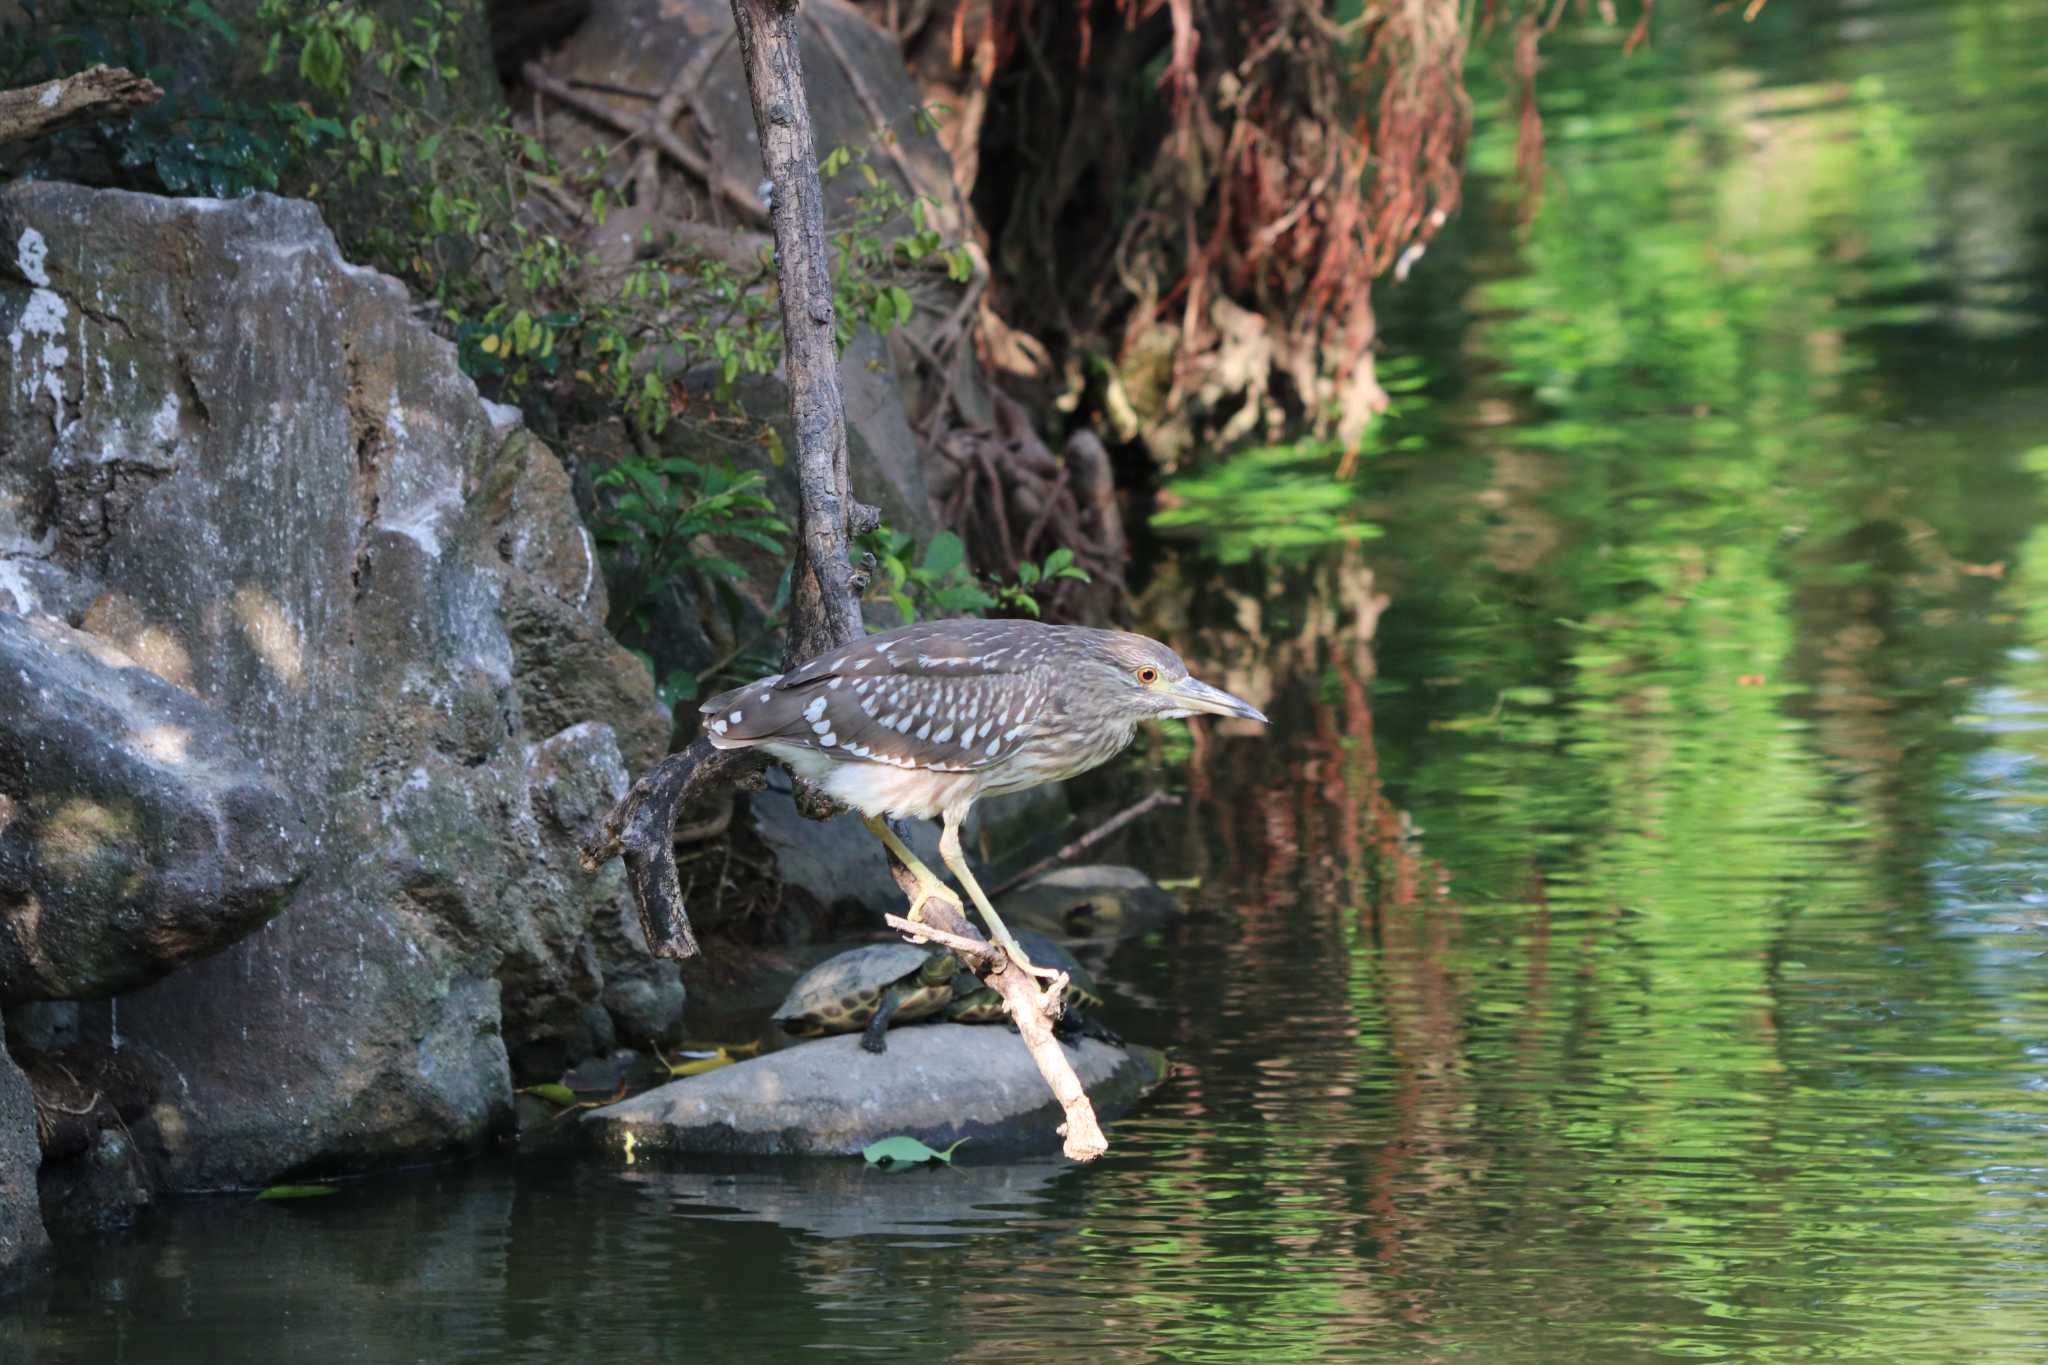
x: 1199, y: 696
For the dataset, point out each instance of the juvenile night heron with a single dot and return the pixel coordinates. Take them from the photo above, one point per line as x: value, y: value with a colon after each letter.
x: 925, y: 720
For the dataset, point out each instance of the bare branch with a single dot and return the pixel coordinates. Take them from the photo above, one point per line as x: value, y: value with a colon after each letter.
x: 825, y: 609
x: 101, y: 92
x: 662, y: 134
x: 642, y: 828
x: 1091, y: 838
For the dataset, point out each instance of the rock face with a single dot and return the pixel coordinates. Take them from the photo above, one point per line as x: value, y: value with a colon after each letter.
x: 133, y: 835
x: 22, y: 1239
x: 237, y: 460
x: 937, y: 1083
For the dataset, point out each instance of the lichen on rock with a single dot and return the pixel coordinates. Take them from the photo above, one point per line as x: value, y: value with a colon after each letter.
x: 240, y: 465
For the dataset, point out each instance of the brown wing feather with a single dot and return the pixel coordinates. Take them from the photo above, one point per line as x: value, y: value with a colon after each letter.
x: 955, y: 696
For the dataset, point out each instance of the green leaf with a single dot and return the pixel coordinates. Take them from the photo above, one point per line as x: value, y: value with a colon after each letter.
x: 904, y: 1151
x: 297, y: 1191
x: 553, y: 1093
x: 945, y: 554
x: 900, y: 298
x: 203, y: 13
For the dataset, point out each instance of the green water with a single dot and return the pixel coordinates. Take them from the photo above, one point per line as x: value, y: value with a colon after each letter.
x: 1633, y: 949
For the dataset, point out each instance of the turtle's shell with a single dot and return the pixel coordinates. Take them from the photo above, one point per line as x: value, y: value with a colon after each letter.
x: 974, y: 1003
x: 1080, y: 981
x: 840, y: 994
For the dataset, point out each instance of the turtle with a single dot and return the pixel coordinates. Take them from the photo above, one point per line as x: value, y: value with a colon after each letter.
x: 865, y: 990
x: 974, y: 1003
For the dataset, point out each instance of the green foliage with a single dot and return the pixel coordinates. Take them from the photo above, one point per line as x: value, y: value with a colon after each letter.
x: 662, y: 519
x: 553, y: 1092
x: 297, y: 1191
x: 473, y: 213
x: 939, y: 583
x: 1274, y: 501
x: 864, y: 281
x: 189, y: 141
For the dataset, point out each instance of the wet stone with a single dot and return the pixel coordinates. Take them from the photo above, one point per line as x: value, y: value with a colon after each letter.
x: 828, y: 1097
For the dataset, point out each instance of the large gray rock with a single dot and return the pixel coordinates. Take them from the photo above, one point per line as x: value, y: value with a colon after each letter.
x: 937, y: 1083
x: 1102, y: 901
x: 133, y: 835
x: 22, y: 1239
x: 243, y: 462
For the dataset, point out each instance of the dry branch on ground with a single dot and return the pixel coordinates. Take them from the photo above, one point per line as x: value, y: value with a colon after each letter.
x: 100, y: 92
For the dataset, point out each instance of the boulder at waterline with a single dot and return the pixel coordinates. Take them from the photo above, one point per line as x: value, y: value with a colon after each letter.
x: 936, y: 1083
x: 245, y: 463
x: 1097, y: 901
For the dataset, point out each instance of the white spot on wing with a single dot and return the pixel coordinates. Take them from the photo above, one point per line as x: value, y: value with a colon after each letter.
x: 995, y: 746
x: 821, y: 727
x: 942, y: 736
x: 734, y: 718
x: 719, y: 726
x: 828, y: 739
x: 815, y: 709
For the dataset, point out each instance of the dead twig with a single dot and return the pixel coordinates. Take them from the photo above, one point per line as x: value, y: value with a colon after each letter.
x: 1090, y: 839
x: 99, y: 92
x: 1030, y: 1009
x: 740, y: 196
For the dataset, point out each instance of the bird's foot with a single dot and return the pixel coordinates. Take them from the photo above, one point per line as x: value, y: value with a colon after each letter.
x: 1052, y: 998
x: 931, y: 892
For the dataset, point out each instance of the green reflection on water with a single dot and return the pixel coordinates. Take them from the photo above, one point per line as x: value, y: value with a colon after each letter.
x: 1635, y: 952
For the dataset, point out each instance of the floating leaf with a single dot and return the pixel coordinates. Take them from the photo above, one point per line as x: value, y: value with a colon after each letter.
x: 904, y: 1151
x: 297, y: 1191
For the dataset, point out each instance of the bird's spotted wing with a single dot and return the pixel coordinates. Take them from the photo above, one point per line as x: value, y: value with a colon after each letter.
x: 953, y: 696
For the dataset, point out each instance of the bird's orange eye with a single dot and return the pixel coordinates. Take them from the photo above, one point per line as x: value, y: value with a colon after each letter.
x: 1148, y: 675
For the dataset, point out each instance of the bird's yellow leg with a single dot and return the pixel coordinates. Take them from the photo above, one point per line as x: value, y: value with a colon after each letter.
x: 949, y: 849
x: 928, y: 883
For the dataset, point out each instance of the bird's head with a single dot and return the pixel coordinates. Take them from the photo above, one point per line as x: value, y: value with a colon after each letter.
x: 1141, y: 677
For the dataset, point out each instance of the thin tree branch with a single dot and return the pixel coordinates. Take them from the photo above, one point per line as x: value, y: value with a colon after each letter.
x: 825, y: 609
x: 740, y: 196
x: 1091, y: 838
